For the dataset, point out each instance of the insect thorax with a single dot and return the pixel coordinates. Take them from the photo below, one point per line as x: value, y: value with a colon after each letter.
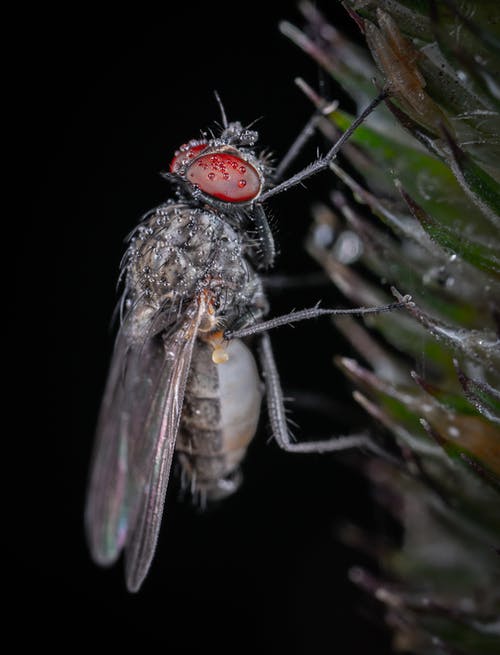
x: 178, y: 251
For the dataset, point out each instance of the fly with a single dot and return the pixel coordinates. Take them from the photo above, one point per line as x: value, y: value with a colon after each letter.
x: 183, y: 376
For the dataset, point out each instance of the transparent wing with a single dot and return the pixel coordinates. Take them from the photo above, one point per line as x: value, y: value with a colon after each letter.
x: 151, y: 458
x: 133, y: 376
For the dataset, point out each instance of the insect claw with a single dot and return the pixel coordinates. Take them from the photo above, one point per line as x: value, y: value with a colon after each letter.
x: 404, y: 300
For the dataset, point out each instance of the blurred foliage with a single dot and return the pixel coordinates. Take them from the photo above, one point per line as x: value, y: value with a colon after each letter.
x: 419, y: 205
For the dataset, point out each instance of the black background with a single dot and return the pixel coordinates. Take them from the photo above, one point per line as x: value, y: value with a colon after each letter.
x: 105, y: 101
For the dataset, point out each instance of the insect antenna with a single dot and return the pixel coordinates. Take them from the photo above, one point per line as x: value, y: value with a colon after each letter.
x: 222, y: 110
x: 254, y: 122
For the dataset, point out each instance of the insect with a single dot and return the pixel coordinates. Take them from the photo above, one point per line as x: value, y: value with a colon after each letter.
x: 183, y: 377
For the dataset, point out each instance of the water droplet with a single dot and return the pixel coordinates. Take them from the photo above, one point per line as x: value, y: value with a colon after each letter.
x: 211, y: 176
x: 242, y: 183
x: 348, y: 247
x: 323, y: 235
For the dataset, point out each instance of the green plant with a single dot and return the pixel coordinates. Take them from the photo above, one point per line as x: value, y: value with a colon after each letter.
x: 420, y: 200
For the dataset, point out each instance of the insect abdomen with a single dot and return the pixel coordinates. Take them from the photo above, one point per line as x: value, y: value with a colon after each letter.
x: 219, y: 419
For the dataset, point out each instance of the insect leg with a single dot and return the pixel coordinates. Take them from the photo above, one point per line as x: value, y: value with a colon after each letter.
x: 303, y: 137
x: 265, y: 236
x: 316, y: 312
x: 277, y: 416
x: 323, y: 162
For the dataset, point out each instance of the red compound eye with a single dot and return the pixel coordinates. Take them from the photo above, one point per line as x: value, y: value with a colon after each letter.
x: 225, y: 176
x: 184, y: 155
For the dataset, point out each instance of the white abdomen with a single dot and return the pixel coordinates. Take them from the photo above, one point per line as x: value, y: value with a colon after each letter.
x: 220, y: 417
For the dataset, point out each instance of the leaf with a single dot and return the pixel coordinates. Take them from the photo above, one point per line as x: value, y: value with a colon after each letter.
x: 478, y: 254
x: 346, y: 62
x: 473, y: 441
x: 483, y: 397
x: 429, y: 180
x: 482, y: 346
x: 446, y: 398
x: 448, y: 285
x: 481, y: 187
x: 410, y: 267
